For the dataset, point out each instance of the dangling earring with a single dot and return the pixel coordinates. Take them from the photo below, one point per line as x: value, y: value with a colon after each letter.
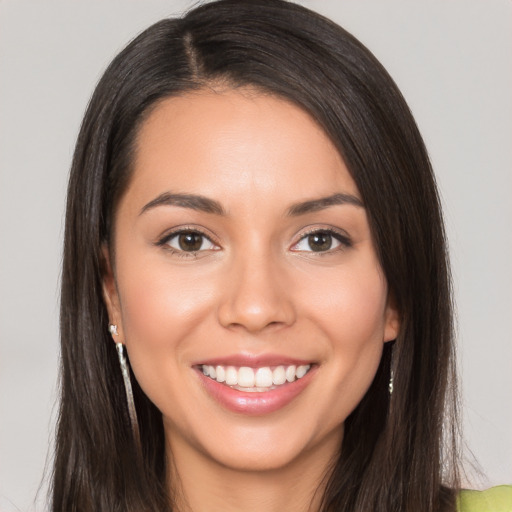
x: 125, y: 370
x: 390, y: 385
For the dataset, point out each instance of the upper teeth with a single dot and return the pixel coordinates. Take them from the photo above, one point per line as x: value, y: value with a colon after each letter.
x: 246, y: 377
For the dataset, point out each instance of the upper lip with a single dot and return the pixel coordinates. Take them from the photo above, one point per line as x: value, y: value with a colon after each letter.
x: 253, y: 361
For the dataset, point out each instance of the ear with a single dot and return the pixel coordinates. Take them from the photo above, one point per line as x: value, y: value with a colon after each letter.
x: 392, y: 319
x: 110, y: 294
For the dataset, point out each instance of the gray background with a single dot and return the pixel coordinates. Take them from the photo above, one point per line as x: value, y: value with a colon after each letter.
x: 452, y: 61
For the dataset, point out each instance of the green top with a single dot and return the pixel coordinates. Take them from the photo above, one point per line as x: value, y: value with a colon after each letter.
x: 496, y: 499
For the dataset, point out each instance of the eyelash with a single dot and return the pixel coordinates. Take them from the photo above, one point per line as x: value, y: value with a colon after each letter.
x: 164, y: 241
x: 343, y: 239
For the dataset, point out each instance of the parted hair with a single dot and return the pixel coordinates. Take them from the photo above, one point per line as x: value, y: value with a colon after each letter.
x: 399, y: 451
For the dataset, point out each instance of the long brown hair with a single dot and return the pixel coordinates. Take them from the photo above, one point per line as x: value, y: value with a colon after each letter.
x: 399, y: 451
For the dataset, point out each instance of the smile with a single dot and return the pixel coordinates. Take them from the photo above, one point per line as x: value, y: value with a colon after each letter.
x: 255, y: 387
x: 257, y: 380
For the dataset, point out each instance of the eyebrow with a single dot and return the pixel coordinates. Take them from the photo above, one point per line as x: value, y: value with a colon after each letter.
x: 322, y: 203
x: 192, y: 201
x: 207, y: 205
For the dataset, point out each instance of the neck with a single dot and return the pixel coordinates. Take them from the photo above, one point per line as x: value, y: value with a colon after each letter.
x: 200, y: 483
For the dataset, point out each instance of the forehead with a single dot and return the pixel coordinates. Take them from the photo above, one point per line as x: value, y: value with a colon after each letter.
x: 236, y: 144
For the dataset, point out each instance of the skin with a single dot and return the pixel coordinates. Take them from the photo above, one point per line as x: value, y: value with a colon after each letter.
x: 255, y: 287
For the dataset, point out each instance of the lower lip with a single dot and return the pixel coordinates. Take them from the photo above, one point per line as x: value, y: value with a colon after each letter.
x: 255, y: 403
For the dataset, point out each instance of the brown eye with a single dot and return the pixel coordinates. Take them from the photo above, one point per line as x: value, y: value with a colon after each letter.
x: 320, y: 241
x: 190, y: 241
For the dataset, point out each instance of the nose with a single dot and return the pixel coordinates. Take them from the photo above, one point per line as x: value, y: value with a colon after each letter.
x: 256, y: 297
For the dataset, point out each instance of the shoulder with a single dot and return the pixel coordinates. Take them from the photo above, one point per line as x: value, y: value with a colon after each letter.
x: 496, y: 499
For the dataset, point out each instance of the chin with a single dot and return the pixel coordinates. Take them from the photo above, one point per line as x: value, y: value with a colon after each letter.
x: 269, y: 446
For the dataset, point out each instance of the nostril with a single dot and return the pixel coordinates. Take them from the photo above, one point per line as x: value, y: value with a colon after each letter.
x: 255, y: 321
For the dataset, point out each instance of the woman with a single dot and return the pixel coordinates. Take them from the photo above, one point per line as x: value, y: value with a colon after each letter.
x: 253, y: 215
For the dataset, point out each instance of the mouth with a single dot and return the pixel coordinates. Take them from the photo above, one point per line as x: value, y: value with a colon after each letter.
x: 254, y: 387
x: 255, y: 380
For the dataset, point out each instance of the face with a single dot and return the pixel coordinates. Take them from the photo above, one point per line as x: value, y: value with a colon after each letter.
x: 246, y: 285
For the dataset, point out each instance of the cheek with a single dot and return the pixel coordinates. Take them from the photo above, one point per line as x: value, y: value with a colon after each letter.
x: 161, y: 310
x: 351, y: 307
x: 155, y: 292
x: 351, y: 314
x: 160, y: 307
